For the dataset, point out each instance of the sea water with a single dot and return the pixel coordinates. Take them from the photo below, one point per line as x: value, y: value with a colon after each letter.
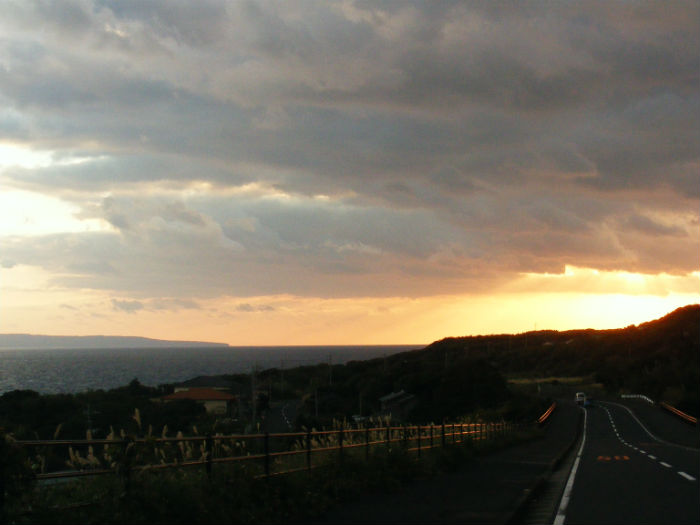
x: 77, y: 370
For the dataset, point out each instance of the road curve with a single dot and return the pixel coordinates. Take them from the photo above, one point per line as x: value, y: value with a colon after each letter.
x: 627, y: 474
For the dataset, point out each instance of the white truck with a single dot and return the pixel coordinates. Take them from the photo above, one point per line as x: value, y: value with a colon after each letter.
x: 580, y: 398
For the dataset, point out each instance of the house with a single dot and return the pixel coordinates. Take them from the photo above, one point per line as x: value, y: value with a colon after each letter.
x: 214, y: 401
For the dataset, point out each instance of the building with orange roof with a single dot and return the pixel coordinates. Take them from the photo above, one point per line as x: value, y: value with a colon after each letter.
x: 214, y: 401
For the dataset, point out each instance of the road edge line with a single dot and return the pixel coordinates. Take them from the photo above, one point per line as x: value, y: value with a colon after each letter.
x: 663, y: 441
x: 561, y: 512
x: 534, y: 491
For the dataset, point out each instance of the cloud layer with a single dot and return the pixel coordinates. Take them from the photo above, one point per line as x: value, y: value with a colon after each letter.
x: 350, y: 149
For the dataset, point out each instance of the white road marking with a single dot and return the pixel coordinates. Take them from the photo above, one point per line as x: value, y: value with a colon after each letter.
x: 650, y: 456
x: 561, y: 512
x: 686, y: 476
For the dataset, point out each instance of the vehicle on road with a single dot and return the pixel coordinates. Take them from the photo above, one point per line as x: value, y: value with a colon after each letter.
x: 580, y: 398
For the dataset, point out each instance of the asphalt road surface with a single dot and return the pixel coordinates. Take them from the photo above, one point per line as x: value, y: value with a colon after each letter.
x: 628, y: 474
x: 280, y: 416
x: 487, y: 491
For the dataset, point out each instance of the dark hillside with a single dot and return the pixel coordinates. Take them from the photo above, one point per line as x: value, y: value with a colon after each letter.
x: 659, y: 358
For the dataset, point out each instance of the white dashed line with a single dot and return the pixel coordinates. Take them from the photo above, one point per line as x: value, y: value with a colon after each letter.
x: 560, y: 516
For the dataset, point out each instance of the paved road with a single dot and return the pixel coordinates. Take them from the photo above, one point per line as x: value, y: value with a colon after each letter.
x: 487, y: 491
x: 628, y: 474
x: 280, y: 416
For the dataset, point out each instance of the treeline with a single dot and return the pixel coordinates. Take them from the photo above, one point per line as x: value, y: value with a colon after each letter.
x: 30, y: 415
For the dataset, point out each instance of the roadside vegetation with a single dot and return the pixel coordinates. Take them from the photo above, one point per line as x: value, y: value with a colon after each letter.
x: 231, y: 494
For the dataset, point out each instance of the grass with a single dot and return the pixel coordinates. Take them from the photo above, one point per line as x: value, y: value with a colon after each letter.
x: 233, y: 495
x: 556, y: 386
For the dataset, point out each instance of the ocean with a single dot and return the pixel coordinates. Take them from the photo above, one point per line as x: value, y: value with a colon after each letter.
x: 78, y: 370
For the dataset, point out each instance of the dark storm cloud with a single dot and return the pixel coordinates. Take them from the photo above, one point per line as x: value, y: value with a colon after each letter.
x: 347, y: 148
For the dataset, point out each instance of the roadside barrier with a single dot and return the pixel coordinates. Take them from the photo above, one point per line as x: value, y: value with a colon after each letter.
x: 638, y: 396
x: 665, y: 406
x: 682, y: 415
x: 546, y: 415
x: 266, y: 454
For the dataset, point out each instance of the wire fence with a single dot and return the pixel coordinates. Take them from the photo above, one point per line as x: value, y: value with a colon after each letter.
x: 264, y: 454
x: 268, y: 454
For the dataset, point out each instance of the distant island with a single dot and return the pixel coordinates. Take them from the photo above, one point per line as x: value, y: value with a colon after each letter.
x: 50, y: 342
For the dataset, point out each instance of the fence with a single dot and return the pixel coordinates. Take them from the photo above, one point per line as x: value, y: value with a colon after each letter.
x: 269, y: 453
x: 265, y: 455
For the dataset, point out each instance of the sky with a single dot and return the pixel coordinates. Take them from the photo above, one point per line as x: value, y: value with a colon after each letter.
x: 292, y: 173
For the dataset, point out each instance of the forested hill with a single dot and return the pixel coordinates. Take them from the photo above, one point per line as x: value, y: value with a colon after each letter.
x: 659, y: 358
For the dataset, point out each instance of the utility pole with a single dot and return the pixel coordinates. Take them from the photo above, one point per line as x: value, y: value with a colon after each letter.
x: 252, y: 392
x: 89, y: 413
x: 330, y: 369
x: 316, y: 400
x: 282, y: 377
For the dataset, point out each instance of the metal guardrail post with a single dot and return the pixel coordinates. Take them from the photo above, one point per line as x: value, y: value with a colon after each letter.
x: 127, y: 452
x: 454, y: 436
x: 267, y: 455
x: 367, y: 443
x: 308, y: 450
x: 340, y: 443
x: 208, y: 450
x: 431, y: 435
x: 443, y: 435
x: 419, y: 431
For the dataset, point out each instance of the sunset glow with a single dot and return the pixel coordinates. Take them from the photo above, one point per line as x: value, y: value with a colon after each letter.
x: 346, y: 173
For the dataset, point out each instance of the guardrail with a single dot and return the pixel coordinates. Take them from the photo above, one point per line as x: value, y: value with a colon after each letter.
x: 548, y: 413
x: 665, y: 406
x: 682, y: 415
x: 638, y: 396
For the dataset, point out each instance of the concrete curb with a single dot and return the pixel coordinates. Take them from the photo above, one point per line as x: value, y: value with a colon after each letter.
x: 532, y: 492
